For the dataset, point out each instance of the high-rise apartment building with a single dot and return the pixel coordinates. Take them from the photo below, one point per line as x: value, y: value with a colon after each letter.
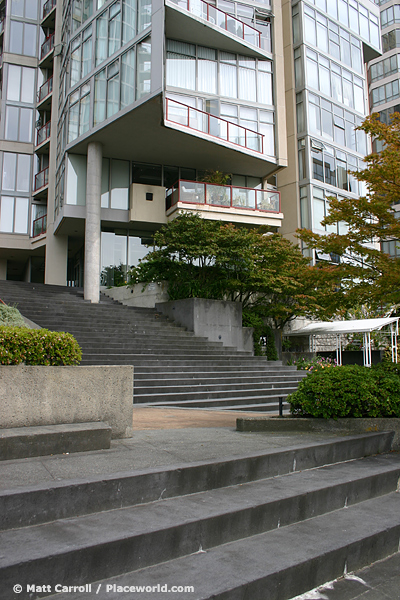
x: 384, y: 81
x: 327, y: 45
x: 113, y: 110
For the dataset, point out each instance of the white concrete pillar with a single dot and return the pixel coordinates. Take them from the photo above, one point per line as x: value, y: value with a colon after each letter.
x: 91, y: 288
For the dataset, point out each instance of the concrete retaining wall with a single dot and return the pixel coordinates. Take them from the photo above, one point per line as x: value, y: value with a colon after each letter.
x: 217, y: 320
x: 137, y: 296
x: 31, y: 396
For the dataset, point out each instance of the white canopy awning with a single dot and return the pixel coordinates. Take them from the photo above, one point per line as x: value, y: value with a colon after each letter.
x: 339, y: 327
x: 365, y: 326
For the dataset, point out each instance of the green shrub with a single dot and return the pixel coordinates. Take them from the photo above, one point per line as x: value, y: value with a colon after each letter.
x: 347, y: 391
x: 252, y: 319
x: 10, y: 316
x: 38, y: 347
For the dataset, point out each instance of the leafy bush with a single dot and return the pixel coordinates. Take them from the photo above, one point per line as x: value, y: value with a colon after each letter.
x: 10, y: 316
x: 347, y: 391
x: 37, y: 347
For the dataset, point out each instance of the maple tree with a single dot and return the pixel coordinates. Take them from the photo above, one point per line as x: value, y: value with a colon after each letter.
x: 203, y: 258
x: 365, y: 273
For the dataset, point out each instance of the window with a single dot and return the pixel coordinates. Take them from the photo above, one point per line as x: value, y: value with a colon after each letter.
x: 16, y: 172
x: 19, y: 124
x: 21, y: 84
x: 25, y: 8
x: 79, y: 108
x: 14, y: 214
x: 23, y: 38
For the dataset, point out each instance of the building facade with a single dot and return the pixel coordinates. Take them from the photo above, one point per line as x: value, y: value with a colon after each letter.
x: 327, y: 45
x: 114, y: 112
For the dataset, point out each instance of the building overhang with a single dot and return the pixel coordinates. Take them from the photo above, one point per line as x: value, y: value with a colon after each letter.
x: 187, y: 27
x: 139, y: 135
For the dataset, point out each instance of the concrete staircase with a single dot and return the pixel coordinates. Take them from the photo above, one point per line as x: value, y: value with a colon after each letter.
x: 172, y: 366
x: 270, y: 525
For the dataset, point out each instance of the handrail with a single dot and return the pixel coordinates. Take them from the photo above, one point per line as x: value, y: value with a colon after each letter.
x: 45, y: 89
x: 222, y: 19
x: 211, y: 124
x: 43, y: 133
x: 41, y: 179
x: 39, y: 226
x: 47, y: 46
x: 48, y: 7
x: 228, y: 196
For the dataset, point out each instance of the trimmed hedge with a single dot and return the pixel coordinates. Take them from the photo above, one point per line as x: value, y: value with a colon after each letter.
x: 38, y: 347
x: 348, y: 391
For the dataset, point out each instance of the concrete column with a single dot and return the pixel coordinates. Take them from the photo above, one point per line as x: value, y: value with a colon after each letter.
x: 91, y: 288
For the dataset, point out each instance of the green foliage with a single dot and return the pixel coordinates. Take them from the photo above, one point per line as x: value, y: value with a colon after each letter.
x: 365, y: 274
x: 10, y: 316
x: 347, y: 391
x: 38, y: 347
x: 202, y: 258
x: 262, y: 332
x: 216, y: 177
x: 114, y: 276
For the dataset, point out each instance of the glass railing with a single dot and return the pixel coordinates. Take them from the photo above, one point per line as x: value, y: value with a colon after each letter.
x: 48, y: 7
x: 47, y: 46
x: 39, y: 226
x: 198, y: 120
x: 229, y: 196
x: 45, y: 89
x: 2, y: 22
x: 43, y: 134
x: 225, y: 21
x: 41, y: 179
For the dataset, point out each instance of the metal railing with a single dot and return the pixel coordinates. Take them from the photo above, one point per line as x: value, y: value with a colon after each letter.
x: 41, y: 179
x: 43, y: 134
x: 198, y: 120
x: 48, y: 7
x: 228, y: 196
x: 39, y: 226
x: 45, y: 89
x: 47, y: 46
x: 225, y: 21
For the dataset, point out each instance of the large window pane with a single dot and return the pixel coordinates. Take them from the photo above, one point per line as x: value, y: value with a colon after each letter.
x: 17, y: 8
x: 247, y: 84
x: 27, y: 85
x: 31, y: 9
x: 75, y: 66
x: 84, y: 115
x: 113, y: 96
x: 73, y: 122
x: 228, y: 80
x: 76, y: 180
x: 207, y: 76
x: 23, y: 172
x: 181, y: 65
x: 6, y: 214
x: 144, y: 69
x: 100, y: 89
x: 105, y: 183
x: 14, y: 83
x: 16, y: 37
x: 30, y: 33
x: 128, y: 78
x: 264, y: 88
x: 25, y: 125
x: 120, y: 184
x: 144, y: 14
x: 87, y: 56
x: 128, y: 20
x: 9, y: 170
x: 21, y: 215
x: 101, y: 38
x: 12, y: 114
x: 114, y: 34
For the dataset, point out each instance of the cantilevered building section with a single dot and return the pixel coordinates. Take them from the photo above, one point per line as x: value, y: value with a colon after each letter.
x: 327, y: 43
x: 136, y: 99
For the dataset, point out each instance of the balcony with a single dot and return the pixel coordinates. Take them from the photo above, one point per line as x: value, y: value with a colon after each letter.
x: 41, y: 182
x: 49, y: 15
x: 228, y: 23
x: 205, y: 123
x: 39, y: 226
x: 2, y: 24
x: 43, y: 136
x: 46, y: 50
x: 237, y: 202
x: 44, y: 94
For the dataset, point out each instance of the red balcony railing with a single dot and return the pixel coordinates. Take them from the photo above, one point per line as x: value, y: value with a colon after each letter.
x: 39, y: 226
x: 45, y: 89
x: 41, y: 179
x: 228, y: 196
x: 43, y: 134
x: 224, y: 20
x: 48, y: 7
x: 47, y: 46
x: 198, y: 120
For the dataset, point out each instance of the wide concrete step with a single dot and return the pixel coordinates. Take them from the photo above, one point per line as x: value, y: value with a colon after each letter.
x: 207, y: 387
x: 195, y: 380
x: 270, y: 401
x: 277, y: 564
x: 106, y: 544
x: 26, y: 442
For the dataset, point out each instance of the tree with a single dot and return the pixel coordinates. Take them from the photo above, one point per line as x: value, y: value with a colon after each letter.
x: 209, y: 259
x: 365, y: 274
